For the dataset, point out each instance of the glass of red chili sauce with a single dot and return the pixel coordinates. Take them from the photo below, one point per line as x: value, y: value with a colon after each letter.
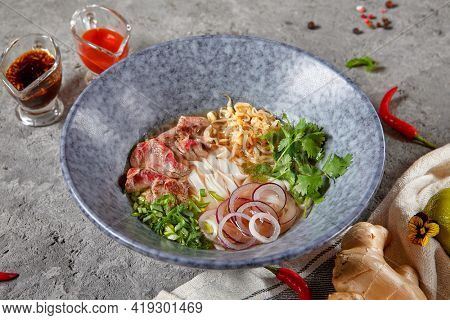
x: 102, y: 37
x: 30, y: 69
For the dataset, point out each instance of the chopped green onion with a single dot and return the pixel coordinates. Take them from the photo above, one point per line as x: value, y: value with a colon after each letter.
x: 175, y: 222
x: 202, y: 193
x: 207, y: 227
x: 215, y: 196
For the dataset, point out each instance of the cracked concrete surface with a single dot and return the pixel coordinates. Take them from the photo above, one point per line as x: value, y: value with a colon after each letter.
x: 46, y: 238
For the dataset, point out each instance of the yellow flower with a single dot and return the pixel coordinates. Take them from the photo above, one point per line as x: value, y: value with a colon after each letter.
x: 421, y: 229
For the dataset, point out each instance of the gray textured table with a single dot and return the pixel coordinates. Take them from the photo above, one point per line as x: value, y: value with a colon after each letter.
x: 46, y: 238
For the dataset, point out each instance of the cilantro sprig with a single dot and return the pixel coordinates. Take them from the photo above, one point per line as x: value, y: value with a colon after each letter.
x: 297, y: 150
x: 176, y: 222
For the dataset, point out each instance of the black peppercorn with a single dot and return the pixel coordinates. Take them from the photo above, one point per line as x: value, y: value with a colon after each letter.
x: 312, y: 26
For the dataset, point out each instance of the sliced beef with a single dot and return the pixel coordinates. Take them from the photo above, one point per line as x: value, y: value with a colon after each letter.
x: 155, y: 184
x: 191, y: 149
x: 168, y: 136
x: 140, y: 179
x: 156, y: 156
x: 160, y: 165
x: 185, y: 139
x: 191, y: 126
x: 161, y: 187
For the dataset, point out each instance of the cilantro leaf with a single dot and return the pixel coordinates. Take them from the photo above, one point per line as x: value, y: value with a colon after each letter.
x: 300, y: 128
x: 283, y: 144
x: 308, y: 184
x: 287, y: 175
x: 297, y: 148
x: 312, y: 143
x: 336, y: 166
x: 283, y: 163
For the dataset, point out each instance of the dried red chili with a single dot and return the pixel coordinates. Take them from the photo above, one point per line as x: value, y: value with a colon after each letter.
x: 6, y: 276
x: 369, y: 23
x: 407, y: 130
x: 293, y: 280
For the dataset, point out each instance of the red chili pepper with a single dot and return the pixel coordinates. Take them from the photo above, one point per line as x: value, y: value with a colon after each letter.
x: 399, y: 125
x: 6, y: 276
x: 293, y: 280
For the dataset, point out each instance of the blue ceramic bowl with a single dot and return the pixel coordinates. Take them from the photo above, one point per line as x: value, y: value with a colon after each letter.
x: 190, y: 76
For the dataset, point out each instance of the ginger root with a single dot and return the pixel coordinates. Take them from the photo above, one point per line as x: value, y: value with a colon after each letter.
x: 360, y: 271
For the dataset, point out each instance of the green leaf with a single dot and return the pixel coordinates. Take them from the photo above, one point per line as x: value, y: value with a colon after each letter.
x: 366, y: 61
x: 312, y: 128
x: 300, y: 128
x: 312, y: 144
x: 283, y: 163
x: 283, y: 144
x: 309, y: 182
x: 336, y: 166
x: 288, y: 176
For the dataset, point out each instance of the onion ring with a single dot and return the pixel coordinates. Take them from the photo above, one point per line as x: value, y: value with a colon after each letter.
x: 230, y: 229
x: 286, y: 226
x: 221, y: 210
x: 224, y: 239
x: 261, y: 206
x: 245, y: 192
x: 289, y: 212
x: 256, y: 234
x: 271, y: 193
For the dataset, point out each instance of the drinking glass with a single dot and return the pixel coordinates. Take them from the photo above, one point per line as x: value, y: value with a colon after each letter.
x: 96, y: 57
x: 38, y: 103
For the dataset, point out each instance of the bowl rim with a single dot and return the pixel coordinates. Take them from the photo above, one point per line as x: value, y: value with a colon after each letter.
x: 198, y: 262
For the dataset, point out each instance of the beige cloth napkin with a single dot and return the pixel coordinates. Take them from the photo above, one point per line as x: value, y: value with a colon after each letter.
x: 409, y: 195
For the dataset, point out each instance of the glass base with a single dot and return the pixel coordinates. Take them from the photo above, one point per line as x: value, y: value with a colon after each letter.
x: 41, y: 119
x: 89, y: 77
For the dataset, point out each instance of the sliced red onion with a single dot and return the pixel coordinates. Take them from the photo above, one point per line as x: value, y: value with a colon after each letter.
x: 286, y: 226
x: 224, y: 238
x: 244, y: 192
x: 263, y: 207
x: 271, y: 193
x: 256, y: 234
x: 237, y: 203
x: 230, y: 229
x: 257, y: 206
x: 290, y: 215
x: 221, y: 211
x: 209, y: 217
x: 290, y: 210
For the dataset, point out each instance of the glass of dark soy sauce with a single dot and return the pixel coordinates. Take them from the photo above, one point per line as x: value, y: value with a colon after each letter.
x: 30, y: 69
